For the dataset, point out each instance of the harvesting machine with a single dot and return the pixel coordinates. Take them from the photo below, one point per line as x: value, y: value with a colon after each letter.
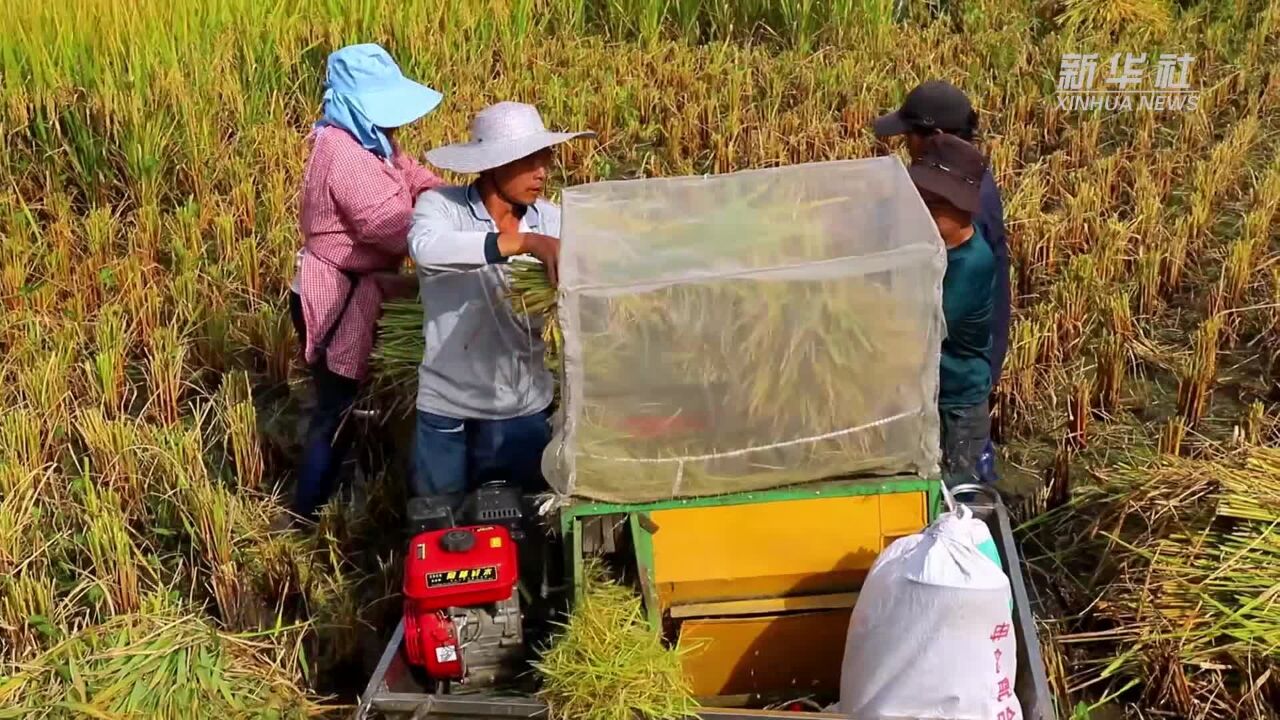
x: 747, y: 536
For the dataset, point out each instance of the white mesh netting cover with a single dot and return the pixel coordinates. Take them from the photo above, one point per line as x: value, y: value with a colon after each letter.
x: 746, y: 331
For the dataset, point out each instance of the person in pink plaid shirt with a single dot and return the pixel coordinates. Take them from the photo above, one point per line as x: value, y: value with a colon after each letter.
x: 357, y: 198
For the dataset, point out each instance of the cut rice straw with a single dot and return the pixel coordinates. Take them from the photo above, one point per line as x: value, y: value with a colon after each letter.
x: 609, y: 664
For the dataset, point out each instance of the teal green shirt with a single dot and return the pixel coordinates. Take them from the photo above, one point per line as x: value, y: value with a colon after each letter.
x: 967, y: 299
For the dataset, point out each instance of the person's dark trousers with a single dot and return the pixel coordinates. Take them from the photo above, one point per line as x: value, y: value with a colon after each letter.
x: 966, y: 432
x: 452, y: 456
x: 328, y: 436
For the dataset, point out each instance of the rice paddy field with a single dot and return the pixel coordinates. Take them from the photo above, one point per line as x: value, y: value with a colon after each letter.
x: 149, y: 401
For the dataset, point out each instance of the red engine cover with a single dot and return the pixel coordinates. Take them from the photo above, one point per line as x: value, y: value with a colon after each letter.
x: 458, y: 567
x: 430, y: 641
x: 435, y: 578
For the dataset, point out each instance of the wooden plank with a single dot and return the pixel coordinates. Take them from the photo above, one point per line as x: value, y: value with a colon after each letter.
x: 577, y: 560
x: 593, y: 535
x: 642, y: 542
x: 764, y: 606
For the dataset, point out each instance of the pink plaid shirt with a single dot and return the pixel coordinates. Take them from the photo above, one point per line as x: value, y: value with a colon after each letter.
x: 354, y: 215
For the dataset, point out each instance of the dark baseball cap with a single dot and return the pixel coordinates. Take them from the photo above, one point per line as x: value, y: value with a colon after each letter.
x: 933, y: 105
x: 951, y: 169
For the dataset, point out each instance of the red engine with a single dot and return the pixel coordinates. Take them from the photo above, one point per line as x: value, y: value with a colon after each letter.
x: 448, y: 570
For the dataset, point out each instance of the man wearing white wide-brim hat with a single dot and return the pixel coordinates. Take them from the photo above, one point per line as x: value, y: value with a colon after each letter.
x: 483, y: 391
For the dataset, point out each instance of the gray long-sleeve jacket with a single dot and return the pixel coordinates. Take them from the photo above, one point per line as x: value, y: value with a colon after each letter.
x: 482, y: 360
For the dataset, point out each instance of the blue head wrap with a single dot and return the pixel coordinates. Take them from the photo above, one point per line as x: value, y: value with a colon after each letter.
x: 366, y: 92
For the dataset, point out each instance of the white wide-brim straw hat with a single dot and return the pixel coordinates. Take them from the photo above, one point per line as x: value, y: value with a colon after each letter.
x: 500, y: 134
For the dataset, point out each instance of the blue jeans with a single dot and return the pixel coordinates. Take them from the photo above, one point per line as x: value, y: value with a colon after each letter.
x: 454, y: 456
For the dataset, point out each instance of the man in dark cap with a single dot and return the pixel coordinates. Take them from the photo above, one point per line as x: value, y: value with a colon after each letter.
x: 938, y: 107
x: 948, y: 174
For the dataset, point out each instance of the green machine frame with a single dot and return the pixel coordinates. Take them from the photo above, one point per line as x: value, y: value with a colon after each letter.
x: 573, y: 515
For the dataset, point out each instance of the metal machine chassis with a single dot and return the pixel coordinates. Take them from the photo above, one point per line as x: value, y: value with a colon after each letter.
x: 390, y: 693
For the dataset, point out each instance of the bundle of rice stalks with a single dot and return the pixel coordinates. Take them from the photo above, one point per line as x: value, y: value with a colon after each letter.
x: 152, y: 666
x: 397, y: 354
x: 533, y: 296
x: 1115, y: 15
x: 400, y: 342
x: 1185, y: 596
x: 608, y: 664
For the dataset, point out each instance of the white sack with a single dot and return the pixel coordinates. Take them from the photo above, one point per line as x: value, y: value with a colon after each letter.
x: 932, y: 633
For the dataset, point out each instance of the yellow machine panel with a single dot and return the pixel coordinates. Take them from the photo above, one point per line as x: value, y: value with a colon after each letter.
x: 901, y: 514
x: 777, y: 549
x: 799, y: 652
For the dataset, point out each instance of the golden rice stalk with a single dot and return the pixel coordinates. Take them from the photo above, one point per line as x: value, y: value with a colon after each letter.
x: 1057, y: 488
x: 1111, y: 16
x: 399, y: 349
x: 1022, y: 369
x: 533, y: 296
x: 1187, y: 581
x: 240, y: 425
x: 112, y: 552
x: 1199, y: 372
x: 160, y: 665
x: 44, y: 382
x: 1079, y: 411
x: 1119, y: 316
x: 107, y: 366
x: 1149, y: 267
x: 398, y: 353
x: 1172, y: 435
x: 1176, y: 243
x: 166, y: 374
x: 216, y: 520
x: 138, y: 288
x: 115, y: 452
x: 1113, y: 364
x: 1076, y: 296
x: 270, y: 331
x: 1251, y: 431
x: 24, y: 439
x: 1144, y: 130
x: 1217, y: 175
x: 1112, y: 248
x: 1273, y: 312
x: 607, y: 663
x: 1237, y: 271
x: 20, y: 493
x: 100, y: 236
x: 1267, y: 188
x: 1148, y: 202
x: 28, y: 612
x: 1257, y: 222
